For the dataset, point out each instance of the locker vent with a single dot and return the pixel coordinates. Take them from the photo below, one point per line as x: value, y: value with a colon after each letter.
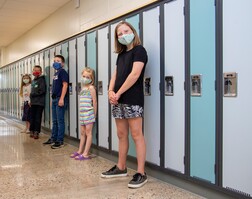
x: 238, y: 191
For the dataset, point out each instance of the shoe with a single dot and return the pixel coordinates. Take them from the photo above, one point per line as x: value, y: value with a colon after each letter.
x: 50, y: 141
x: 57, y: 145
x: 73, y: 155
x: 31, y: 134
x: 24, y: 130
x: 81, y: 157
x: 138, y: 180
x: 36, y: 135
x: 114, y: 172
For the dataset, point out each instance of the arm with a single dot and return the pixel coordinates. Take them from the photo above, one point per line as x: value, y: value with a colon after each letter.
x: 63, y: 93
x: 93, y: 94
x: 131, y: 79
x: 111, y: 93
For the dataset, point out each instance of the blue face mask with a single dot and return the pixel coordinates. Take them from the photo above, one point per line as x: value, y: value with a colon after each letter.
x: 56, y: 65
x: 126, y: 39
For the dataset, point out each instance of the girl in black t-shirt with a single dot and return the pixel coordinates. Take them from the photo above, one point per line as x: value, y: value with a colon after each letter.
x: 127, y: 97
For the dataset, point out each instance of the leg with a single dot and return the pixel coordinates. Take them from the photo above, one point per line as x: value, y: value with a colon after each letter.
x: 122, y: 133
x: 61, y: 123
x: 38, y: 117
x: 88, y: 132
x: 82, y: 139
x: 54, y: 120
x: 135, y: 125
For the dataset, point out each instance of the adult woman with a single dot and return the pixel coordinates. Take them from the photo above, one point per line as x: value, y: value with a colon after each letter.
x: 126, y: 95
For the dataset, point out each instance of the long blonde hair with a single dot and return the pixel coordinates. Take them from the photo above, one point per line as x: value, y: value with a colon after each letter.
x: 22, y: 83
x: 118, y: 46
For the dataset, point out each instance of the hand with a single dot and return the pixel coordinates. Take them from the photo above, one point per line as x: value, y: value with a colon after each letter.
x: 61, y: 103
x: 112, y: 98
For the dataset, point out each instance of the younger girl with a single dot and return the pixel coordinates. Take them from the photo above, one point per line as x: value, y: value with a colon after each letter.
x: 88, y: 109
x: 25, y: 91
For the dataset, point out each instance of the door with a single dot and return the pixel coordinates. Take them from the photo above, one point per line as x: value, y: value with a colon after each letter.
x: 81, y: 59
x: 202, y: 84
x: 72, y: 88
x: 102, y: 87
x: 174, y: 85
x: 91, y: 62
x: 151, y: 42
x: 237, y: 107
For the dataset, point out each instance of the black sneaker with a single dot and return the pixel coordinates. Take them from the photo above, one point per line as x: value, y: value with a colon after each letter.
x: 138, y: 180
x: 114, y: 172
x: 57, y: 145
x: 50, y: 141
x: 36, y: 135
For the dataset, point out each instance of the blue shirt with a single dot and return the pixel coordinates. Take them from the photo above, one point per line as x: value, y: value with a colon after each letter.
x: 59, y: 77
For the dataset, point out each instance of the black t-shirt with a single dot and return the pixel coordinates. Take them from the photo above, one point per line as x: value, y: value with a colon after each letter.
x: 134, y: 95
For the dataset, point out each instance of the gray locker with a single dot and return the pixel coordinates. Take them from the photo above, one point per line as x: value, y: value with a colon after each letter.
x: 47, y: 68
x: 151, y: 41
x: 113, y: 57
x: 237, y: 107
x: 72, y: 88
x: 102, y: 87
x: 174, y: 85
x: 81, y: 59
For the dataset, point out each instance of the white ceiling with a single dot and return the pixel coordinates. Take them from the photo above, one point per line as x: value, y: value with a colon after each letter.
x: 19, y: 16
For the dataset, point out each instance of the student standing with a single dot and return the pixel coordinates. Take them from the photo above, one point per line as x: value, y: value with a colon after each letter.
x: 38, y: 92
x: 127, y: 97
x: 25, y: 91
x: 59, y: 103
x: 88, y: 110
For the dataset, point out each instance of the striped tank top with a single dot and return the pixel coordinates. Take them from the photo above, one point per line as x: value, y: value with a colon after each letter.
x: 85, y: 100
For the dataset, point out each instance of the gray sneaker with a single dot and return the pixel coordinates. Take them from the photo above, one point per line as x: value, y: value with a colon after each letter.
x: 138, y: 180
x: 114, y: 172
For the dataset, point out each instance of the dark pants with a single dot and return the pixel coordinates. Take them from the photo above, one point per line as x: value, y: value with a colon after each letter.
x: 36, y: 116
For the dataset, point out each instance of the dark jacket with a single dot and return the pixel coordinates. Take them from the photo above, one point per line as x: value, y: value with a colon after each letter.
x: 38, y: 91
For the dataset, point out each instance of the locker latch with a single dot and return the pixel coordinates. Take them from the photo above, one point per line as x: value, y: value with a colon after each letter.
x: 196, y: 85
x: 230, y: 84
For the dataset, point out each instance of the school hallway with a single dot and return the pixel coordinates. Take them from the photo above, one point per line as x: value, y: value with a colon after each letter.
x: 31, y: 170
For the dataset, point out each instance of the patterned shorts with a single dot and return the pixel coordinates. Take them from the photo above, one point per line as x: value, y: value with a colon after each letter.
x: 87, y: 117
x: 125, y: 111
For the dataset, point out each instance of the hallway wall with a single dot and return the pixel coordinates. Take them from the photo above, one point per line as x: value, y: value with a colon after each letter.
x: 66, y: 22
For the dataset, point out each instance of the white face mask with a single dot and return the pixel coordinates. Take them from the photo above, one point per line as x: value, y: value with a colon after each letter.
x: 126, y: 39
x: 85, y: 80
x: 26, y: 81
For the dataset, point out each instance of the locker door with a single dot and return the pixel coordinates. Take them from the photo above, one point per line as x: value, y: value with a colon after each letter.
x: 174, y: 85
x: 81, y: 59
x: 134, y: 21
x: 102, y: 87
x: 151, y: 41
x: 202, y: 66
x: 91, y: 62
x: 237, y: 107
x: 52, y: 71
x: 65, y: 54
x: 40, y: 61
x: 72, y: 88
x: 30, y: 66
x: 113, y: 57
x: 48, y: 92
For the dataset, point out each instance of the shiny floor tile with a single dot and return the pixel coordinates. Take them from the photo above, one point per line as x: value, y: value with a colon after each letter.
x: 31, y: 170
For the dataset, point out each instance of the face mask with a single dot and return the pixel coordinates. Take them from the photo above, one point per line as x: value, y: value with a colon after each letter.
x: 85, y: 80
x: 56, y: 65
x: 126, y: 39
x: 36, y: 73
x: 26, y: 81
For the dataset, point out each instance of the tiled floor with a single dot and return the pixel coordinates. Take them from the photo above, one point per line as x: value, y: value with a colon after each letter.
x: 31, y: 170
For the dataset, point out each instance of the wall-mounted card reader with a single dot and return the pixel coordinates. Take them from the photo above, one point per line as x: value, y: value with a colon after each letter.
x: 100, y: 88
x: 169, y: 86
x: 230, y: 84
x: 196, y: 85
x: 147, y: 86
